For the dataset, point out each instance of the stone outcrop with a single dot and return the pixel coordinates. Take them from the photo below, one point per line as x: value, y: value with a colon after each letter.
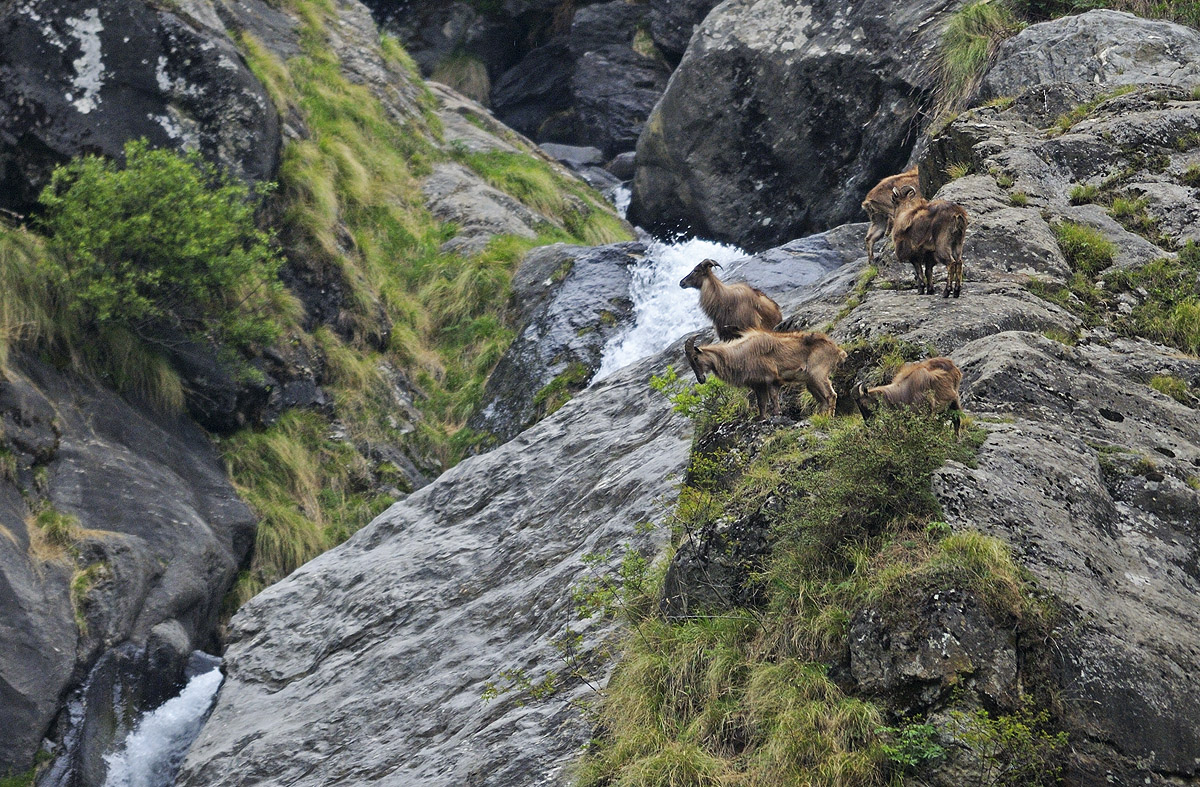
x: 569, y: 301
x: 73, y: 80
x: 157, y: 536
x: 1105, y: 48
x: 394, y: 635
x: 782, y: 115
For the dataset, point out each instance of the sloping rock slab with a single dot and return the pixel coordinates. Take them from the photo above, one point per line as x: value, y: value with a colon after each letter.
x: 368, y: 663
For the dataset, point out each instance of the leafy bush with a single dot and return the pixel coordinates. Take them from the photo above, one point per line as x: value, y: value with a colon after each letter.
x: 1085, y: 248
x: 161, y: 244
x: 708, y: 404
x: 1014, y: 750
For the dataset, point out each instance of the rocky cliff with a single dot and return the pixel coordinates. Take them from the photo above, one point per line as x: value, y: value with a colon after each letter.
x: 1077, y: 364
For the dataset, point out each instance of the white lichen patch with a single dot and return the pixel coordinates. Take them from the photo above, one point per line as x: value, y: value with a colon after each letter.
x: 89, y: 66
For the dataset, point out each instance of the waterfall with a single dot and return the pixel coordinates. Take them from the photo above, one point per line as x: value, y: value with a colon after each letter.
x: 663, y: 311
x: 154, y: 750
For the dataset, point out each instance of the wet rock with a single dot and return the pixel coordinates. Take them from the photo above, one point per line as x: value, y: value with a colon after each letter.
x: 615, y: 88
x: 73, y: 80
x: 728, y: 153
x: 535, y: 89
x: 573, y: 156
x: 623, y: 165
x: 569, y: 300
x: 160, y: 535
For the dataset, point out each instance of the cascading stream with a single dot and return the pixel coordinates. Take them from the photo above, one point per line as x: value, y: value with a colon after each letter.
x: 663, y: 311
x: 153, y: 752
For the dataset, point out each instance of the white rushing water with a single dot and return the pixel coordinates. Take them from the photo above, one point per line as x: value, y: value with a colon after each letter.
x: 155, y: 749
x: 663, y: 311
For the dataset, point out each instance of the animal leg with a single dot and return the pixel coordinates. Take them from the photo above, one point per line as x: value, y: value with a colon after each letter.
x: 776, y: 400
x: 929, y: 261
x: 958, y: 276
x: 916, y: 263
x: 763, y: 394
x: 874, y: 233
x: 822, y: 391
x: 956, y: 416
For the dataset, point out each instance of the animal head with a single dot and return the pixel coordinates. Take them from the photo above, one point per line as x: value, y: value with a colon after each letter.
x: 696, y: 278
x: 867, y: 402
x: 696, y: 359
x: 904, y: 194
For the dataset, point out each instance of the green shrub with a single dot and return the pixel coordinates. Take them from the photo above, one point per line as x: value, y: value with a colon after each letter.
x: 1014, y: 750
x: 1085, y: 248
x: 708, y: 404
x: 164, y: 243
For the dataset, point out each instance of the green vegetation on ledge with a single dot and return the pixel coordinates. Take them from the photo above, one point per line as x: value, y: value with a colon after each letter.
x: 745, y: 696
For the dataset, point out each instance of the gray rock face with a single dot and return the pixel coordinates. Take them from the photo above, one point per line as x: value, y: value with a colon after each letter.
x: 570, y: 300
x: 161, y: 532
x: 1100, y: 47
x: 742, y: 146
x: 672, y: 23
x: 392, y: 636
x: 614, y: 90
x: 74, y: 80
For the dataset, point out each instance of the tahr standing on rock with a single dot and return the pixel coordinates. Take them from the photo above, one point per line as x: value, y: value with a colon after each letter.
x: 926, y: 232
x: 731, y: 307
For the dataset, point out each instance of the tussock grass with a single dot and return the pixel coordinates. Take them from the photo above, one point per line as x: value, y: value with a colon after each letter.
x: 465, y: 73
x: 967, y: 47
x: 1086, y: 249
x: 1169, y: 309
x: 309, y: 490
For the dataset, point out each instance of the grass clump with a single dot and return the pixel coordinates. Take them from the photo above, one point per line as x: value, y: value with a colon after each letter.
x: 558, y: 391
x: 465, y: 73
x: 1169, y: 299
x: 967, y: 47
x: 309, y: 490
x: 1174, y: 387
x: 959, y: 169
x: 1191, y: 176
x: 743, y: 696
x: 1018, y: 199
x: 1084, y: 193
x: 1066, y: 121
x: 1086, y: 249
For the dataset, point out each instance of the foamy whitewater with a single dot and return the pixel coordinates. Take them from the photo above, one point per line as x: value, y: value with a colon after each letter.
x: 154, y: 751
x: 663, y: 311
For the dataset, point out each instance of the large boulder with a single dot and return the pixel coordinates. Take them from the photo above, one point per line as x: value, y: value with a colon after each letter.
x: 782, y: 115
x: 159, y: 535
x: 1099, y: 47
x: 74, y: 80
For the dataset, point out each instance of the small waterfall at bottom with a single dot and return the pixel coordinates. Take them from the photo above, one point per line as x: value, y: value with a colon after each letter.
x: 154, y: 750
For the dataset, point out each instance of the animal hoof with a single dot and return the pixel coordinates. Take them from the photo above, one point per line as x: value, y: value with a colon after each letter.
x: 945, y: 293
x: 957, y: 293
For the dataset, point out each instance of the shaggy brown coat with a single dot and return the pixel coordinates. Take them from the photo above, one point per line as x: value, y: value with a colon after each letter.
x: 764, y: 361
x: 929, y: 232
x: 931, y: 384
x: 731, y: 307
x: 880, y: 205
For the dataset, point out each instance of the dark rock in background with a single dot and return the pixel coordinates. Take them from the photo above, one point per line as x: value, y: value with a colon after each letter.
x: 78, y: 77
x: 672, y: 23
x: 781, y: 116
